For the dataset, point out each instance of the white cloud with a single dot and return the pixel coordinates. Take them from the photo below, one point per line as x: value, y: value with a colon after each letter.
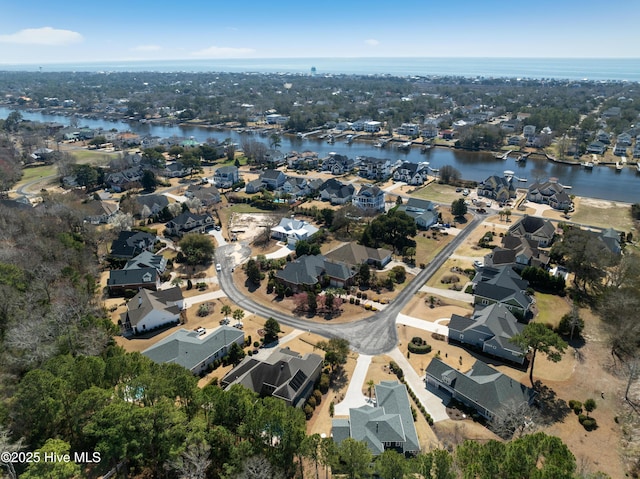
x: 372, y: 41
x: 222, y: 52
x: 147, y: 48
x: 42, y: 36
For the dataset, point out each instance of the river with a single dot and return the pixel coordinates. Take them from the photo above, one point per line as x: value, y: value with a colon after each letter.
x: 601, y: 182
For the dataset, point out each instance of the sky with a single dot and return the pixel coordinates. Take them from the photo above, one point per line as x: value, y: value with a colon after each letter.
x: 45, y: 31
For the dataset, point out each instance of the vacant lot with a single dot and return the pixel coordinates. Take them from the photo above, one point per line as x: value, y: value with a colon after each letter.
x: 602, y: 213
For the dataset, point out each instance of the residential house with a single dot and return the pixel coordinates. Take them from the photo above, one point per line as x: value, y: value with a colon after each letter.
x: 225, y: 176
x: 131, y: 243
x: 374, y: 168
x: 620, y: 149
x: 529, y: 131
x: 336, y: 192
x: 306, y: 160
x: 624, y: 139
x: 295, y: 187
x: 596, y: 148
x: 254, y: 186
x: 388, y: 425
x: 370, y: 198
x: 636, y: 149
x: 518, y: 253
x: 149, y: 310
x: 274, y: 158
x: 498, y: 188
x: 409, y: 129
x: 429, y: 131
x: 502, y: 285
x: 188, y: 222
x: 146, y: 259
x: 175, y: 169
x: 97, y: 212
x: 424, y: 212
x: 195, y: 351
x: 514, y: 141
x: 149, y: 205
x: 121, y: 280
x: 489, y: 330
x: 550, y: 193
x: 307, y: 271
x: 411, y: 173
x: 285, y: 375
x: 354, y: 254
x: 611, y: 239
x: 612, y: 112
x: 338, y: 164
x: 273, y: 179
x: 603, y: 137
x: 276, y: 119
x: 292, y: 230
x: 482, y: 388
x: 534, y: 228
x: 125, y: 179
x: 208, y: 195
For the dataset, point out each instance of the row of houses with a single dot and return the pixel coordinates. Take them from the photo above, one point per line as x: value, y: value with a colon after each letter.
x: 503, y: 189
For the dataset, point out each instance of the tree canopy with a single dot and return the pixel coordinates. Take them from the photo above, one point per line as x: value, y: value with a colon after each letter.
x: 538, y: 337
x: 197, y: 248
x: 393, y: 230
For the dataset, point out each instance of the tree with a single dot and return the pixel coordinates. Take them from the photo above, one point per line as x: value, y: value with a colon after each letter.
x: 364, y: 274
x: 459, y: 208
x: 7, y: 445
x: 537, y: 337
x: 336, y: 351
x: 590, y: 405
x: 148, y: 180
x: 513, y: 419
x: 370, y: 385
x: 275, y: 141
x: 238, y: 314
x: 13, y: 121
x: 193, y: 462
x: 436, y: 464
x: 571, y: 323
x: 236, y: 354
x: 311, y: 449
x: 312, y: 302
x: 449, y: 174
x: 393, y: 229
x: 271, y: 330
x: 226, y: 310
x: 86, y: 175
x: 356, y: 458
x: 253, y: 272
x: 197, y: 248
x: 391, y: 465
x: 59, y: 469
x: 507, y: 214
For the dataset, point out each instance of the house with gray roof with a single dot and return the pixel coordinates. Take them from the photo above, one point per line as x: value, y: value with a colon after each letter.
x: 195, y: 351
x: 100, y: 211
x: 149, y: 310
x: 285, y: 374
x: 149, y: 205
x: 225, y: 176
x: 482, y: 388
x: 369, y: 198
x: 336, y: 192
x: 273, y: 179
x: 424, y: 212
x: 306, y: 271
x: 549, y: 193
x: 388, y: 425
x: 354, y: 254
x: 131, y: 243
x: 502, y: 285
x: 411, y: 173
x: 518, y: 253
x: 489, y: 330
x: 534, y: 228
x: 146, y: 259
x: 187, y: 222
x: 208, y: 195
x: 136, y: 278
x: 498, y: 188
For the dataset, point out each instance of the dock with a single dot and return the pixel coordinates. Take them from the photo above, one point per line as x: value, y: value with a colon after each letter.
x: 504, y: 156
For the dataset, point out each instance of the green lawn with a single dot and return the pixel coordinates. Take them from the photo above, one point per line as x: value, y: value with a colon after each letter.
x: 30, y: 174
x: 246, y: 208
x: 551, y: 308
x: 94, y: 157
x: 438, y: 193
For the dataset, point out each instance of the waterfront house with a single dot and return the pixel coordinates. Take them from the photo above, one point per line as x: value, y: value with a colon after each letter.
x: 603, y: 137
x: 550, y: 193
x: 374, y: 168
x: 195, y: 351
x: 372, y: 126
x: 497, y: 188
x: 387, y: 425
x: 529, y: 131
x: 482, y: 388
x: 149, y: 310
x: 624, y: 139
x: 515, y: 141
x: 284, y: 374
x: 636, y: 150
x: 596, y: 148
x: 409, y: 129
x: 369, y: 198
x: 620, y: 149
x: 338, y: 164
x: 489, y: 330
x: 411, y: 173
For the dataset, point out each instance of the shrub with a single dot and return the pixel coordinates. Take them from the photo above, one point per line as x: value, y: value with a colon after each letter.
x: 352, y: 300
x: 256, y: 344
x: 590, y: 424
x: 397, y: 370
x: 312, y: 402
x: 308, y: 412
x: 318, y: 395
x: 419, y: 348
x: 324, y: 383
x: 331, y: 409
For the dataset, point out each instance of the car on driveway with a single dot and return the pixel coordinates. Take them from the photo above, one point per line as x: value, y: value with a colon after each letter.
x: 218, y: 267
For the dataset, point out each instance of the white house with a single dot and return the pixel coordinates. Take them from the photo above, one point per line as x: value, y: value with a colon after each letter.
x: 292, y: 230
x: 372, y: 126
x: 149, y: 310
x: 369, y: 198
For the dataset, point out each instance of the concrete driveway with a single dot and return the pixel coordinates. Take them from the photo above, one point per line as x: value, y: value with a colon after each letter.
x: 354, y: 397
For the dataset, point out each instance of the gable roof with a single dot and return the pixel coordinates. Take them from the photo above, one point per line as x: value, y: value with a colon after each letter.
x: 533, y: 225
x: 134, y: 276
x: 355, y: 254
x: 130, y: 243
x: 188, y: 349
x: 146, y: 301
x: 482, y: 384
x: 146, y: 259
x: 502, y: 285
x: 307, y: 269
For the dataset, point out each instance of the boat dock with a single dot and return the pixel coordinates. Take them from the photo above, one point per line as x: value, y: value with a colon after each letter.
x: 504, y: 156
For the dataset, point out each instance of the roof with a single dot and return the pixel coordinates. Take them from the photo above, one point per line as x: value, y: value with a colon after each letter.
x: 226, y: 170
x: 533, y: 225
x: 284, y: 374
x: 146, y: 301
x: 188, y: 349
x: 307, y: 269
x: 133, y: 276
x: 391, y: 421
x: 153, y: 200
x: 503, y: 285
x: 298, y: 228
x: 487, y: 387
x: 370, y: 191
x: 146, y: 259
x: 355, y: 254
x: 271, y: 174
x: 130, y: 243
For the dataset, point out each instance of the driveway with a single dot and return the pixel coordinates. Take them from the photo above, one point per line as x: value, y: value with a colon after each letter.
x: 218, y: 237
x: 201, y: 298
x: 431, y: 326
x: 283, y: 252
x: 449, y: 293
x: 354, y: 397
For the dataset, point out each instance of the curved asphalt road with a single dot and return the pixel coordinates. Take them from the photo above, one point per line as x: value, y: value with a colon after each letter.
x: 373, y: 335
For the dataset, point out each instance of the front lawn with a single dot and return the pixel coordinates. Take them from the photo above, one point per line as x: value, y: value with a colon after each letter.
x: 551, y: 308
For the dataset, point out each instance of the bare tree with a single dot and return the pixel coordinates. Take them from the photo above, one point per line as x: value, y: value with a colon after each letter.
x: 121, y: 222
x: 6, y: 445
x: 258, y: 467
x: 515, y: 418
x: 193, y: 462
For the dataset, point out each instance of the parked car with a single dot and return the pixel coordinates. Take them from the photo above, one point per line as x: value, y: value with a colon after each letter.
x: 200, y: 330
x: 218, y: 267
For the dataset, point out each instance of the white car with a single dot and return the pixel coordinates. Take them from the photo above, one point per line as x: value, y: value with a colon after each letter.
x: 200, y: 331
x: 218, y: 267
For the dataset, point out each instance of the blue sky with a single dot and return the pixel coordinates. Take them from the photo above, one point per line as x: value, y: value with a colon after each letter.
x: 45, y: 31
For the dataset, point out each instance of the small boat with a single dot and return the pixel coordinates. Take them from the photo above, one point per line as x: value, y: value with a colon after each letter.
x: 425, y: 148
x: 637, y: 167
x: 378, y: 145
x: 618, y: 167
x: 349, y: 138
x: 406, y: 146
x: 588, y: 165
x: 331, y: 139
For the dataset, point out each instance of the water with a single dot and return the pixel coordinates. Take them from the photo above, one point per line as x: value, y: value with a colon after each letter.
x: 601, y: 182
x: 596, y: 69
